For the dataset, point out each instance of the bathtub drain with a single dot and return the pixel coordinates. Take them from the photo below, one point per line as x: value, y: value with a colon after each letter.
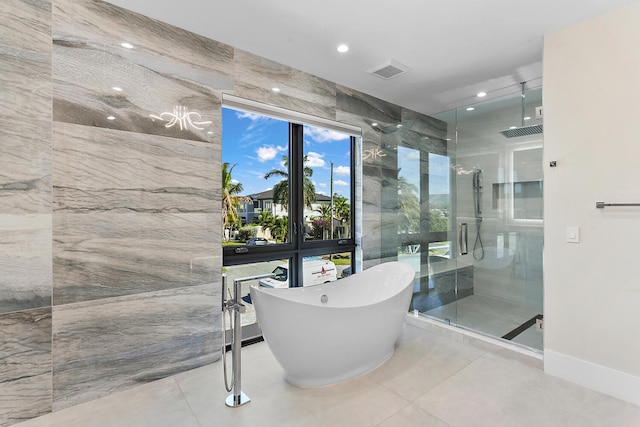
x: 324, y: 299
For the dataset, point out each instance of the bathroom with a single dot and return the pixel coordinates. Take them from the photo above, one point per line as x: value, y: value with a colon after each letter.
x: 114, y: 281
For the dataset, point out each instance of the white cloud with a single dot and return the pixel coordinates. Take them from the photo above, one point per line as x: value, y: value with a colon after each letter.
x: 342, y: 170
x: 251, y: 116
x: 341, y: 183
x: 266, y: 153
x: 324, y: 135
x: 322, y: 185
x: 234, y: 181
x: 256, y: 119
x: 314, y: 160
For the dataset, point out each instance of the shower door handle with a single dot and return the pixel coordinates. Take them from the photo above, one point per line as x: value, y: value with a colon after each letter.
x: 463, y: 238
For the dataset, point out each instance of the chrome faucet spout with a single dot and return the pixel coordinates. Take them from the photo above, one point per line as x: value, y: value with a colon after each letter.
x: 256, y: 277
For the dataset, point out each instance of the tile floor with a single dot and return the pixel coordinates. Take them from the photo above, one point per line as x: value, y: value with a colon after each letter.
x: 435, y: 378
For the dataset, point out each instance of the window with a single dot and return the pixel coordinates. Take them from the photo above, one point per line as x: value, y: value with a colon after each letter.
x: 288, y: 194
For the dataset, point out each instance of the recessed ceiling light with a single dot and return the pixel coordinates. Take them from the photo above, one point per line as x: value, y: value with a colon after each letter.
x: 513, y: 127
x: 111, y: 118
x: 374, y: 124
x: 482, y: 94
x: 399, y: 125
x: 448, y: 139
x: 126, y: 45
x: 343, y: 48
x: 470, y: 108
x: 275, y: 89
x: 117, y: 88
x: 527, y: 118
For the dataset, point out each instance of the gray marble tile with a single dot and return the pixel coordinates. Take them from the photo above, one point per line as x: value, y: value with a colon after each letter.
x: 101, y: 255
x: 99, y: 170
x: 99, y: 23
x: 154, y: 102
x: 254, y: 78
x: 370, y: 108
x: 424, y: 125
x: 25, y: 166
x: 25, y: 367
x: 25, y: 262
x: 26, y: 84
x: 104, y: 346
x: 26, y: 24
x: 170, y: 81
x: 25, y: 136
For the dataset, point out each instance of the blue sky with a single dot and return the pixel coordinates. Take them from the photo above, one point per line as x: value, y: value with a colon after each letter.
x: 257, y: 143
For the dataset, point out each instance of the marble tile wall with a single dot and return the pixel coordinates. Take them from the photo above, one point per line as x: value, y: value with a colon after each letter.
x: 110, y: 224
x: 25, y: 365
x: 363, y: 110
x: 25, y: 155
x: 130, y: 212
x: 25, y: 210
x: 106, y: 345
x: 136, y: 196
x: 255, y: 77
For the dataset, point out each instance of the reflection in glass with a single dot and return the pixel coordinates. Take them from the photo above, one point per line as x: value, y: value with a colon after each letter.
x: 408, y: 190
x: 439, y: 193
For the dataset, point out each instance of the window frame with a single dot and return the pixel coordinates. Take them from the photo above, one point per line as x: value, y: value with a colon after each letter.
x: 296, y: 249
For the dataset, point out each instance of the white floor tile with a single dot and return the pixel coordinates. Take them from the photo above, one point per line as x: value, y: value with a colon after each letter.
x: 432, y: 380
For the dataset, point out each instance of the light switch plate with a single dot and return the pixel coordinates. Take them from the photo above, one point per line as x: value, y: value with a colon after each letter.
x: 573, y: 234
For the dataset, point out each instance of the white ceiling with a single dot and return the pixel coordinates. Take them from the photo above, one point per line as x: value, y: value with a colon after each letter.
x: 454, y: 48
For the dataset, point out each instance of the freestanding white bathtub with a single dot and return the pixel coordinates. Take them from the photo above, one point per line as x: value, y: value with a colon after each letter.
x: 327, y: 333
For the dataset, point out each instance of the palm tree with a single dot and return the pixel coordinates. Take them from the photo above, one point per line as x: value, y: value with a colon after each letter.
x: 325, y: 212
x: 342, y: 211
x: 280, y: 228
x: 281, y: 189
x: 409, y: 206
x: 230, y: 198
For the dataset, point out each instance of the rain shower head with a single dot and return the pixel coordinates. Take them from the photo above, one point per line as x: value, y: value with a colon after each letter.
x: 522, y: 131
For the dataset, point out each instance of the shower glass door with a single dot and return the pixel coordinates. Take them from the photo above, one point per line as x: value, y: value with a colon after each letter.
x: 498, y: 189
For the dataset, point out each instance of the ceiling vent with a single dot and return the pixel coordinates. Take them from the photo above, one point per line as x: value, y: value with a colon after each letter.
x: 389, y: 69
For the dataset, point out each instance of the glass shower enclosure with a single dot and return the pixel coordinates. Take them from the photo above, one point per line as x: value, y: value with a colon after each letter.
x: 470, y: 217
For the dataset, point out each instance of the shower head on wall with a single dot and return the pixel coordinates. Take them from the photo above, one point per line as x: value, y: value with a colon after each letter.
x: 522, y: 130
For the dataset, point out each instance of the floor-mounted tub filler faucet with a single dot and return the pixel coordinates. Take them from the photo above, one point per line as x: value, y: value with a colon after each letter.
x: 234, y: 304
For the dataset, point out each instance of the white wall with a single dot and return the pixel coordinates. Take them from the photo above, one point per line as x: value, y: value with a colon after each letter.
x: 592, y: 288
